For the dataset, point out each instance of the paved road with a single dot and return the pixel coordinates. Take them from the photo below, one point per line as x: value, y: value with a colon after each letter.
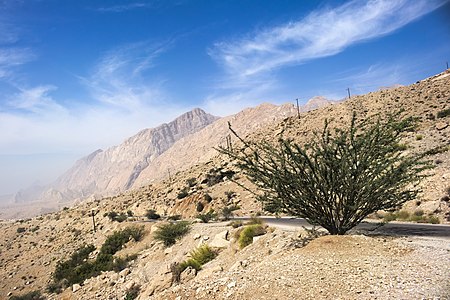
x: 403, y: 229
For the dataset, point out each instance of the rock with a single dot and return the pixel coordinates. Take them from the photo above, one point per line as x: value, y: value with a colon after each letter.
x: 129, y: 285
x: 430, y: 206
x: 205, y: 238
x: 207, y: 272
x: 124, y: 272
x: 168, y: 250
x: 220, y: 240
x: 231, y: 285
x: 197, y: 236
x: 76, y: 287
x: 188, y: 274
x: 441, y: 125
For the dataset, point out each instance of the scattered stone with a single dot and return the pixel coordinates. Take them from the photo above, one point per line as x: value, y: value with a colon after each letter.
x: 76, y: 287
x: 197, y: 236
x: 441, y: 125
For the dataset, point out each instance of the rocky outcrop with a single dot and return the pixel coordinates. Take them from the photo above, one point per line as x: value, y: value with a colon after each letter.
x: 115, y: 169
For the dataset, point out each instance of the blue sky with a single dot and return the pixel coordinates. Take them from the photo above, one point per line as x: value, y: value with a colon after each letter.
x: 80, y: 75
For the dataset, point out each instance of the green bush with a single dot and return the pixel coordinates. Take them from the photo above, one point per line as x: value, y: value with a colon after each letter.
x: 205, y: 218
x: 340, y: 176
x: 170, y: 232
x: 116, y: 217
x: 248, y: 232
x: 403, y: 215
x: 20, y: 229
x: 133, y: 292
x: 34, y: 295
x: 78, y: 267
x: 189, y: 263
x: 236, y: 223
x: 255, y: 220
x: 152, y: 215
x: 174, y: 218
x: 116, y: 241
x: 227, y: 211
x: 443, y: 113
x: 203, y: 254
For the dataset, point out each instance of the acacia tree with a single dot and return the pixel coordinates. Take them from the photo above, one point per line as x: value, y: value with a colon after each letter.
x: 339, y: 177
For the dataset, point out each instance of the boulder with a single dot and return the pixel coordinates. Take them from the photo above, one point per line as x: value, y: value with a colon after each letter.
x: 188, y: 274
x: 220, y: 240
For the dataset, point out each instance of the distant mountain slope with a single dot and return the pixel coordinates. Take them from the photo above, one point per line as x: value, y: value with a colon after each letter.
x: 115, y: 169
x: 199, y: 147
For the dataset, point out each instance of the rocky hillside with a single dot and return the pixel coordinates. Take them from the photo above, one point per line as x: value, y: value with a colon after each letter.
x: 356, y: 266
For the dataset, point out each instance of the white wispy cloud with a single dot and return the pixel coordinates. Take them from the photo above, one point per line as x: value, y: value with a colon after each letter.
x: 322, y: 33
x: 125, y: 7
x: 12, y: 57
x: 118, y: 77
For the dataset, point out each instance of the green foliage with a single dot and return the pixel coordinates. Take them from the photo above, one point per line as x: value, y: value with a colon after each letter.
x: 189, y: 263
x: 20, y: 229
x: 116, y: 241
x: 419, y: 137
x: 203, y: 254
x: 170, y: 232
x: 246, y: 235
x: 255, y: 220
x: 340, y: 177
x: 152, y: 215
x: 116, y: 217
x: 210, y: 215
x: 443, y: 113
x: 236, y: 223
x: 34, y: 295
x: 174, y: 218
x: 129, y: 213
x: 78, y: 267
x: 199, y: 256
x: 229, y: 195
x: 418, y: 216
x: 437, y: 150
x: 133, y: 292
x: 227, y: 211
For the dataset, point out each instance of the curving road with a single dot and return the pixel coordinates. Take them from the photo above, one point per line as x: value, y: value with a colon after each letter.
x: 393, y: 228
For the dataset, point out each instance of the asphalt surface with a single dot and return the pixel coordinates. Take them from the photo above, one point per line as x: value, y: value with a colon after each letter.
x: 393, y: 228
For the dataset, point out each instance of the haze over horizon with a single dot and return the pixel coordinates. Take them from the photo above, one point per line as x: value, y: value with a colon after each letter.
x: 86, y: 75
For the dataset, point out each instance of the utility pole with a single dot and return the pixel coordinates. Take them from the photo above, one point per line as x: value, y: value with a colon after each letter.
x: 348, y: 90
x: 93, y: 220
x: 298, y: 109
x: 170, y: 177
x: 447, y: 64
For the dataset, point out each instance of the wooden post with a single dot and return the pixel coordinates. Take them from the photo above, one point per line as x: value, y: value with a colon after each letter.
x: 447, y: 64
x: 93, y: 221
x: 170, y: 177
x: 348, y: 90
x: 298, y: 109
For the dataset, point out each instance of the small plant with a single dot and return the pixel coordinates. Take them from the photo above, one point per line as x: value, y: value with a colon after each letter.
x: 403, y: 215
x: 227, y: 211
x: 418, y: 213
x: 116, y: 241
x: 129, y: 213
x: 170, y: 232
x: 419, y: 137
x: 236, y: 223
x: 133, y: 292
x: 443, y: 113
x: 191, y: 182
x: 116, y: 217
x: 210, y: 215
x: 200, y: 206
x: 203, y: 254
x: 254, y: 220
x: 20, y: 229
x: 174, y: 218
x: 34, y: 295
x: 183, y: 193
x: 229, y: 195
x: 245, y: 236
x: 199, y: 257
x: 152, y: 215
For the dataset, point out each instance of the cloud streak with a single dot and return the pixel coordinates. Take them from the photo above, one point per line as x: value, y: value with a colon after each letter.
x: 322, y: 33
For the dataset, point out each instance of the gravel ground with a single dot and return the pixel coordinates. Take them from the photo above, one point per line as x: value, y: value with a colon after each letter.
x: 330, y: 267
